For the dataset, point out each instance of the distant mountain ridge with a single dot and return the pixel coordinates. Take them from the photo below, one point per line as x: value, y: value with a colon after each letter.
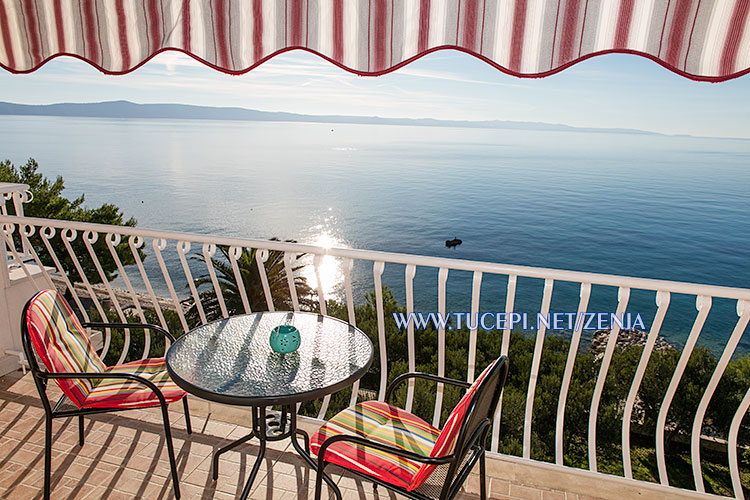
x: 127, y: 109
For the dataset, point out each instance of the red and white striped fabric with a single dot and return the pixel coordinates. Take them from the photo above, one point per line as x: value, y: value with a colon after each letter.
x: 702, y: 40
x: 445, y: 443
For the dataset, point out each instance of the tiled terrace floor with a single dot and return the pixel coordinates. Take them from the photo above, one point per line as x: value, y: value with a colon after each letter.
x: 125, y: 457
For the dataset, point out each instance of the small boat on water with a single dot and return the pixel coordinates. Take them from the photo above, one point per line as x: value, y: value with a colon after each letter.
x: 453, y: 243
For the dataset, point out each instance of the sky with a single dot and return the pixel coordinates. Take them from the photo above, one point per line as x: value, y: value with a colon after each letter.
x: 616, y: 90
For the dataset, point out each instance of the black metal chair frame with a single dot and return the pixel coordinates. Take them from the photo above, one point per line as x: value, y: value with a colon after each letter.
x: 42, y: 376
x: 473, y: 445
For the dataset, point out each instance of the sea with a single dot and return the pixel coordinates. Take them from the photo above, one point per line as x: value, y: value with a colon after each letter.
x: 645, y: 205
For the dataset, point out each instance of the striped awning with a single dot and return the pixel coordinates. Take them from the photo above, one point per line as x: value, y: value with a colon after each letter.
x: 700, y: 39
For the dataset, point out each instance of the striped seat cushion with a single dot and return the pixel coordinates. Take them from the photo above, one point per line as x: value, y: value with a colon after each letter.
x: 61, y: 343
x: 383, y: 423
x: 119, y: 393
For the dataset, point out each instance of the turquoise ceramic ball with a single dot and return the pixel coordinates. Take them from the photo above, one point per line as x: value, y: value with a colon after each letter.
x: 284, y: 339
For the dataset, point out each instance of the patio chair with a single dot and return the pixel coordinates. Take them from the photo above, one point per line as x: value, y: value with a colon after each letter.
x: 51, y: 334
x: 402, y: 452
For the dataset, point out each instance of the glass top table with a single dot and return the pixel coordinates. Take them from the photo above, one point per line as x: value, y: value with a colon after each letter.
x: 230, y: 361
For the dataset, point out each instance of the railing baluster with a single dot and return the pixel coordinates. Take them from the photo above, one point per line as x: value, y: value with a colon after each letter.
x: 476, y: 287
x: 535, y: 362
x: 183, y: 247
x: 234, y: 254
x: 261, y: 256
x: 134, y: 243
x: 409, y: 273
x: 575, y: 340
x: 623, y: 295
x: 8, y: 235
x: 377, y: 270
x: 209, y: 250
x: 47, y: 234
x: 26, y: 231
x: 290, y: 279
x: 11, y: 244
x: 662, y: 302
x: 68, y: 236
x: 159, y: 244
x: 743, y: 311
x: 734, y: 430
x: 89, y: 238
x: 321, y: 295
x: 322, y: 305
x: 442, y: 281
x: 703, y: 305
x: 348, y: 266
x: 19, y: 198
x: 510, y: 298
x: 112, y: 240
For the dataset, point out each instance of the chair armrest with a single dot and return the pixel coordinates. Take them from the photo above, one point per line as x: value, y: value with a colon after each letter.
x: 102, y: 376
x: 382, y: 447
x: 426, y: 376
x: 97, y: 324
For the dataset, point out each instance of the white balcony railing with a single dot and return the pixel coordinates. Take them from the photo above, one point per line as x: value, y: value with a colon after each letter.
x: 15, y: 195
x: 44, y: 266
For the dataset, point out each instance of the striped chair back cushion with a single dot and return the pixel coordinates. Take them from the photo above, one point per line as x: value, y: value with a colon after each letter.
x: 446, y: 441
x: 61, y: 343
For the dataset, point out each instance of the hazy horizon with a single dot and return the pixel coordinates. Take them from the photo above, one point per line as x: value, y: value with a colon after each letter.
x: 182, y: 111
x: 608, y: 91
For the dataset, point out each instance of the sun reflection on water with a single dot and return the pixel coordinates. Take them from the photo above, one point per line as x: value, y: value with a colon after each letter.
x: 330, y: 270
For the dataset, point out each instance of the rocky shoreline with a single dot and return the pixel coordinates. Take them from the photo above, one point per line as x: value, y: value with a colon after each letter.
x: 124, y: 298
x: 626, y: 338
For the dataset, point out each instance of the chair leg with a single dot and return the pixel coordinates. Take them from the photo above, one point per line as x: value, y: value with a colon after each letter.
x: 319, y: 480
x: 47, y: 455
x: 187, y: 415
x: 482, y: 478
x: 80, y: 430
x: 320, y: 477
x: 170, y: 450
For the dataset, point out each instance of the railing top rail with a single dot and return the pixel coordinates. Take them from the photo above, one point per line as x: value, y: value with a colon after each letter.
x: 9, y: 187
x: 402, y: 258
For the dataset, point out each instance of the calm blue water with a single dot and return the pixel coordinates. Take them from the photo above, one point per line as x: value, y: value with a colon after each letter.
x: 672, y: 208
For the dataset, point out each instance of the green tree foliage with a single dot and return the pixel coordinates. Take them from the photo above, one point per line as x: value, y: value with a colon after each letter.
x: 50, y: 203
x: 248, y: 268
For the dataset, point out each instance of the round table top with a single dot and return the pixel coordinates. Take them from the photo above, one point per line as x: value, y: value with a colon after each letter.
x: 231, y: 361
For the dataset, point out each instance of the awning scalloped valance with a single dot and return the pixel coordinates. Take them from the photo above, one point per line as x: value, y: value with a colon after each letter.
x: 699, y: 39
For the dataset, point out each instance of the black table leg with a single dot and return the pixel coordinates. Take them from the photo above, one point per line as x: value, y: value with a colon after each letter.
x: 305, y: 439
x: 227, y: 448
x: 260, y: 430
x: 305, y: 454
